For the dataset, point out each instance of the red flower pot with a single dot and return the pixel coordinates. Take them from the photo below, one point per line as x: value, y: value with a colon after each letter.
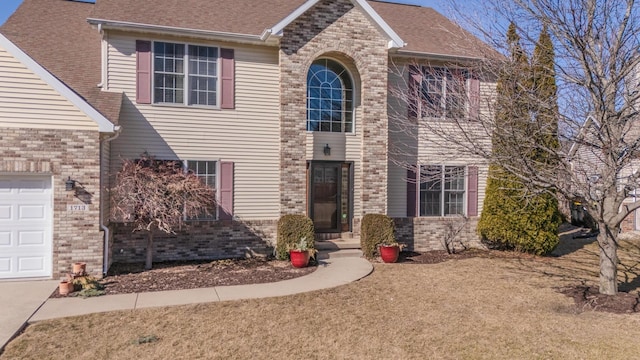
x: 299, y: 258
x: 389, y: 254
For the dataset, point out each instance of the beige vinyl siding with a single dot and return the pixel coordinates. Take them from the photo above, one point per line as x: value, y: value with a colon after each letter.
x: 427, y: 147
x: 27, y: 101
x: 397, y: 189
x: 248, y: 135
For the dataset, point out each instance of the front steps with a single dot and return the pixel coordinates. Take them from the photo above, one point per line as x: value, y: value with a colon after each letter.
x: 340, y: 247
x: 334, y: 254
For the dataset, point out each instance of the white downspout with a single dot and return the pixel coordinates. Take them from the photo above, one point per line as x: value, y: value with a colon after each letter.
x: 104, y: 49
x: 105, y: 229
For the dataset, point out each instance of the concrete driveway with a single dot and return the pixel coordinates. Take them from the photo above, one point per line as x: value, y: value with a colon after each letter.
x: 18, y: 301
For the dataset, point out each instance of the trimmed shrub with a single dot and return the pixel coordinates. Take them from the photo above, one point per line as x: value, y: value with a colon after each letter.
x: 292, y: 228
x: 512, y: 221
x: 376, y: 229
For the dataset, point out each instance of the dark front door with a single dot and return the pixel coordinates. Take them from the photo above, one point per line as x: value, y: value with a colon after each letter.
x: 330, y: 192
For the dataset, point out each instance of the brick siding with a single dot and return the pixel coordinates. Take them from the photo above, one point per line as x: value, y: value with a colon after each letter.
x: 429, y: 233
x: 335, y: 29
x: 628, y: 224
x: 200, y: 240
x: 60, y: 154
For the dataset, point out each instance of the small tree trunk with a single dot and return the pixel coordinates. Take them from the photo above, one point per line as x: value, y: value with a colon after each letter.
x: 608, y: 260
x: 149, y: 262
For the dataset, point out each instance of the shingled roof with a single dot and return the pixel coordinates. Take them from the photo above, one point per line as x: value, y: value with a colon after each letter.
x: 56, y: 35
x: 423, y: 29
x: 426, y: 31
x: 248, y: 17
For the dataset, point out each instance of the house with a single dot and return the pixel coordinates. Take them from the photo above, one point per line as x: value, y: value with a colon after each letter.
x: 588, y: 165
x: 282, y: 106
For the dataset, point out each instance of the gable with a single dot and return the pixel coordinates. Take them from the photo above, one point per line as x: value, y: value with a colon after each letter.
x: 394, y: 39
x: 331, y: 26
x: 32, y: 97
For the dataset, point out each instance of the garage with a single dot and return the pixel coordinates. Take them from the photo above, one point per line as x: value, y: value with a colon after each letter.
x: 25, y: 227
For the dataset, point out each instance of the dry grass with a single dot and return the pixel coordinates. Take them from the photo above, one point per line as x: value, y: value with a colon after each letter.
x: 479, y: 308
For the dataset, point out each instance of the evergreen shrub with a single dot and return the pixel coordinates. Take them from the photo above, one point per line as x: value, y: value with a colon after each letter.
x: 292, y: 228
x: 376, y: 229
x: 511, y: 221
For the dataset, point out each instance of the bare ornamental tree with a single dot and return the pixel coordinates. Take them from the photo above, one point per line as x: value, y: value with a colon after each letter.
x: 157, y: 195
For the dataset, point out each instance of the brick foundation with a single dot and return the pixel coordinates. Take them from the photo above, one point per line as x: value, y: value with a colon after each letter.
x: 628, y: 224
x: 62, y: 154
x: 430, y: 233
x: 201, y: 240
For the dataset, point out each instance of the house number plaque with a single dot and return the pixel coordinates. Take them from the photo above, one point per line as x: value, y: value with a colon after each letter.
x: 82, y: 207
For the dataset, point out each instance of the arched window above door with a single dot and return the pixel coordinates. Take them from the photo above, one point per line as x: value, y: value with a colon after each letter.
x: 329, y: 97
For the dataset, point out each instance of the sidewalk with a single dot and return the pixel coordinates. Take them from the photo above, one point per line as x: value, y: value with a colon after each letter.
x: 331, y: 272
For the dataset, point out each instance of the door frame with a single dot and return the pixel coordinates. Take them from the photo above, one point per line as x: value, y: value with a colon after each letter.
x: 340, y: 164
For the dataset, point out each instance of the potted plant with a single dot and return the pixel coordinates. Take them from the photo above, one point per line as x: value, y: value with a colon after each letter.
x: 79, y: 268
x: 390, y: 250
x: 300, y: 253
x: 66, y: 287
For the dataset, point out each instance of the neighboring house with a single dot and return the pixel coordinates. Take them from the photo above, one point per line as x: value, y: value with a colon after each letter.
x: 587, y: 165
x: 282, y: 106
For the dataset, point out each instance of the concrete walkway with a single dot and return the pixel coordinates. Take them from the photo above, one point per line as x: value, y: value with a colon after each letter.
x: 18, y: 301
x: 333, y: 271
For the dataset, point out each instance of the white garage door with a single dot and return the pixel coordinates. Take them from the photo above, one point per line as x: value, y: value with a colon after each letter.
x: 25, y: 227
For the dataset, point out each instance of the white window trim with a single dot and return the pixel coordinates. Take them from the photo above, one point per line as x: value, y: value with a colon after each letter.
x: 185, y: 102
x: 185, y: 165
x: 443, y: 99
x: 442, y: 191
x: 353, y: 98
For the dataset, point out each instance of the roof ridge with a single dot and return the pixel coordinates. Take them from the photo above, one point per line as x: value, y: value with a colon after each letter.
x: 398, y: 3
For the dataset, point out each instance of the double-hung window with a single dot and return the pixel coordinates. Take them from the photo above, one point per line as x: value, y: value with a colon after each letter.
x: 444, y: 92
x: 442, y: 190
x: 207, y: 172
x: 185, y: 74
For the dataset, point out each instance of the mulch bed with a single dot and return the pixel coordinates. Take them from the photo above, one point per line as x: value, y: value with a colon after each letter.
x: 588, y: 298
x: 180, y: 275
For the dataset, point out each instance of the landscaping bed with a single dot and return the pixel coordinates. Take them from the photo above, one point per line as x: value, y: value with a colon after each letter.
x: 588, y: 298
x: 180, y: 275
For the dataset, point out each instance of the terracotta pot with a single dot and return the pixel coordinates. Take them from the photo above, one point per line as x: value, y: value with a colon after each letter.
x: 389, y: 254
x: 79, y: 268
x: 299, y: 258
x: 65, y: 287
